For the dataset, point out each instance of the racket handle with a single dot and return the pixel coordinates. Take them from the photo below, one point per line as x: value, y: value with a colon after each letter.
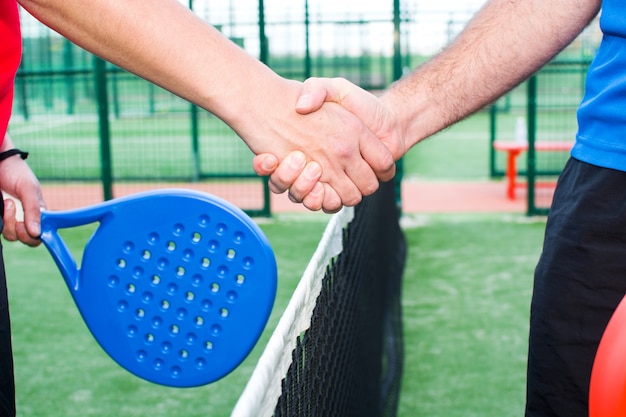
x: 51, y: 222
x: 62, y: 257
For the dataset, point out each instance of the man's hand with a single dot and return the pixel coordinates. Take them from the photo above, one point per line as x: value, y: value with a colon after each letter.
x: 17, y: 179
x: 302, y: 179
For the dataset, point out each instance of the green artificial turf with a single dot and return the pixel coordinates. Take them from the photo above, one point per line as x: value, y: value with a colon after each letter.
x: 466, y: 293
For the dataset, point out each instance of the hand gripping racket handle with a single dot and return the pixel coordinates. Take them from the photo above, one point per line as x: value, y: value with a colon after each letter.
x: 51, y: 222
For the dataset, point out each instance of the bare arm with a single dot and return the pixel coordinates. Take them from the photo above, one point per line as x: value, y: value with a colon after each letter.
x: 505, y: 43
x: 164, y: 42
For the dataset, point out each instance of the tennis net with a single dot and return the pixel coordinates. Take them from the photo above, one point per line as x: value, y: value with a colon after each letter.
x: 338, y: 348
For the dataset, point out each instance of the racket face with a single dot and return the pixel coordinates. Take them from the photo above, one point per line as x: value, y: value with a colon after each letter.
x: 176, y: 287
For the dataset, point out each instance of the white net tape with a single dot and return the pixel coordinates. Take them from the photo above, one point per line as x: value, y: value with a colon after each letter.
x: 261, y: 394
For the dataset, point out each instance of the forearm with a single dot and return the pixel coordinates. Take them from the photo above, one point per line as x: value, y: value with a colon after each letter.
x: 505, y: 43
x: 164, y: 42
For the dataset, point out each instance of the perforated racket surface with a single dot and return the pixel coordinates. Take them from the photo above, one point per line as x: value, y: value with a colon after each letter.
x: 175, y: 285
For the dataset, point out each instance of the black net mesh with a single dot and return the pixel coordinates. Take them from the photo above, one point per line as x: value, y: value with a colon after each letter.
x: 349, y: 363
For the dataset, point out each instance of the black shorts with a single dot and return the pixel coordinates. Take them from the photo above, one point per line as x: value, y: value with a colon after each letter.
x: 579, y: 281
x: 7, y: 385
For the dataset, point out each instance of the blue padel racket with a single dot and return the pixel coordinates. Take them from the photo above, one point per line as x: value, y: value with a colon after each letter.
x: 175, y: 285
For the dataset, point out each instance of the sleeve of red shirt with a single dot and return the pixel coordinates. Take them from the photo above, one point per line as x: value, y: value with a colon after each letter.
x: 10, y: 55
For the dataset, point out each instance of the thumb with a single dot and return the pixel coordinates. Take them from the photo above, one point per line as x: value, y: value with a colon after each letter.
x: 316, y: 91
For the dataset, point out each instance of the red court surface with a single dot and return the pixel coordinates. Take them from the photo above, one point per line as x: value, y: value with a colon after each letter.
x: 417, y: 196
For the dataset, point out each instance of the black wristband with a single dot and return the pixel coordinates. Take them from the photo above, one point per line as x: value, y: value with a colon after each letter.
x: 6, y: 154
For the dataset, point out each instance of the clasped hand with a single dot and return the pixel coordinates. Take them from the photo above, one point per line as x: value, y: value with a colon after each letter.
x: 305, y: 180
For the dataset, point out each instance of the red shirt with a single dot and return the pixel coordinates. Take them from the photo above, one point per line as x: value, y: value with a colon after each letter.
x: 10, y: 55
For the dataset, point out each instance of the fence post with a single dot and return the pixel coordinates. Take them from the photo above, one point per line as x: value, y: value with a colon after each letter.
x: 397, y: 74
x: 104, y: 128
x: 532, y: 137
x: 493, y: 114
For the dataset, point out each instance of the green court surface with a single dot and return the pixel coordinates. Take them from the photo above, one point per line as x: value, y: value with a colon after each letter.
x: 466, y: 293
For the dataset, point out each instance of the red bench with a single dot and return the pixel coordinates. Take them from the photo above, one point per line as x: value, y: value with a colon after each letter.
x: 514, y: 149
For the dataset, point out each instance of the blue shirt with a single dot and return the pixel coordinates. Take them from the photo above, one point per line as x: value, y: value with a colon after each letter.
x: 601, y: 137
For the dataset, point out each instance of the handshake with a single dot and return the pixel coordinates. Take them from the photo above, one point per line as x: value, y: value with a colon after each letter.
x: 358, y: 139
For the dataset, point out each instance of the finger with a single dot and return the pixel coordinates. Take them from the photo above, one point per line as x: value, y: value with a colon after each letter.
x: 24, y: 236
x: 305, y: 183
x: 378, y: 157
x: 32, y: 204
x: 314, y: 200
x: 287, y: 172
x: 332, y: 201
x: 10, y: 221
x: 264, y: 164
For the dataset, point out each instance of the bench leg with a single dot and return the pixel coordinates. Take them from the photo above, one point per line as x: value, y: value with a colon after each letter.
x: 511, y: 173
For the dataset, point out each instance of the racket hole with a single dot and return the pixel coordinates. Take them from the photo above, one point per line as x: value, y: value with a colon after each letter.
x: 208, y: 346
x: 214, y: 246
x: 230, y: 254
x: 141, y: 355
x: 153, y: 238
x: 200, y: 363
x: 181, y: 313
x: 174, y: 330
x: 156, y: 280
x: 121, y: 263
x: 162, y: 263
x: 158, y: 364
x: 130, y: 288
x: 165, y: 305
x: 191, y: 338
x: 196, y: 280
x: 175, y: 372
x: 206, y: 262
x: 137, y: 272
x: 113, y: 281
x: 224, y: 312
x: 172, y: 289
x: 240, y: 279
x: 147, y: 297
x: 131, y: 331
x: 128, y: 247
x: 149, y: 338
x: 248, y: 262
x: 190, y: 296
x: 179, y: 229
x: 140, y: 313
x: 146, y: 254
x: 180, y: 271
x: 221, y: 229
x: 183, y: 354
x: 215, y: 287
x: 196, y: 237
x: 171, y: 246
x: 239, y: 237
x: 199, y: 321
